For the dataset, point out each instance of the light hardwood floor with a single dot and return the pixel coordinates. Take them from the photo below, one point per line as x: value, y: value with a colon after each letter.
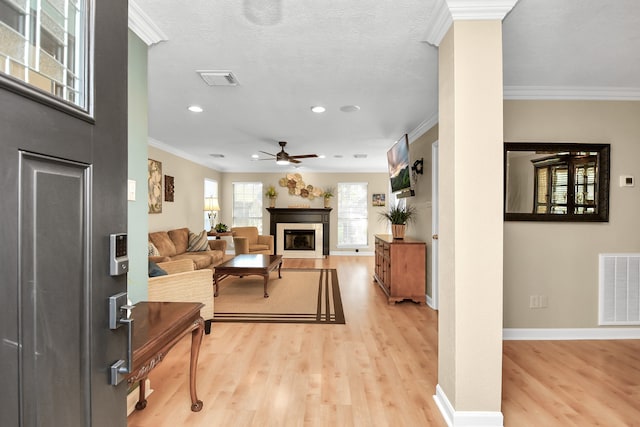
x: 380, y: 369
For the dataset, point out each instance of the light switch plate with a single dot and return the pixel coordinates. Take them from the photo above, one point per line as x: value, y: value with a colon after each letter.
x: 131, y: 190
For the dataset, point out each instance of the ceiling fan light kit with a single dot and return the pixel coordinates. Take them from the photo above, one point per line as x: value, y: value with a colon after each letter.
x: 283, y: 158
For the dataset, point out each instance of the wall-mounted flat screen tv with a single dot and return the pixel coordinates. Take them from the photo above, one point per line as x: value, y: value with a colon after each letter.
x: 399, y: 169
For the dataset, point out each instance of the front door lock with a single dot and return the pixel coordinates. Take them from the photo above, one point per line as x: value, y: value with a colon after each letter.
x: 119, y: 311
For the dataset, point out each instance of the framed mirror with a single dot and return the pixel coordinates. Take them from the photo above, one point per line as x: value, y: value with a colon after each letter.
x: 556, y: 181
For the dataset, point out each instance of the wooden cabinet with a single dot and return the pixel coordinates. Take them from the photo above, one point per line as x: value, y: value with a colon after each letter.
x: 400, y: 268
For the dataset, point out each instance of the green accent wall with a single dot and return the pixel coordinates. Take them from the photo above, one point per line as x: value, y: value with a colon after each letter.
x: 137, y: 222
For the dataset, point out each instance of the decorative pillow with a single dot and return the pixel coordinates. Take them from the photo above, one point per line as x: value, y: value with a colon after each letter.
x: 153, y: 251
x: 198, y: 242
x: 155, y: 271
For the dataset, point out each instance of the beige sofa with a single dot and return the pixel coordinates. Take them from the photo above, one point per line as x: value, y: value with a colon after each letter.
x: 184, y: 284
x: 172, y: 246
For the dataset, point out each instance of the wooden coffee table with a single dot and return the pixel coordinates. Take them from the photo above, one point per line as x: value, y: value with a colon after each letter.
x: 247, y: 265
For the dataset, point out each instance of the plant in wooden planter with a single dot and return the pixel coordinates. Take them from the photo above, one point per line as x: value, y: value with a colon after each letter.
x: 399, y: 218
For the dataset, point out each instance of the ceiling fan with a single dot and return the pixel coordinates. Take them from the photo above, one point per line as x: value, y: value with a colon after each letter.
x: 283, y: 158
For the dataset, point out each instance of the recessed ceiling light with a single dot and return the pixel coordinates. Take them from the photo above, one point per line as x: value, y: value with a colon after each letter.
x: 349, y: 108
x: 195, y: 109
x: 255, y: 156
x: 337, y: 156
x: 217, y: 155
x: 322, y: 156
x: 360, y: 156
x: 318, y: 109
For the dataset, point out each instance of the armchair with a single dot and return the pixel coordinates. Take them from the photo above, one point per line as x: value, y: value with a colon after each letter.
x: 184, y: 284
x: 246, y: 240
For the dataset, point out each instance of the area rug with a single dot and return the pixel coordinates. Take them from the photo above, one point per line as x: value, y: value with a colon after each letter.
x: 300, y: 296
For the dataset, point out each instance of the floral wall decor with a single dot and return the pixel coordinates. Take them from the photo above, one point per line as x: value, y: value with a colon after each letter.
x: 154, y: 181
x: 296, y: 186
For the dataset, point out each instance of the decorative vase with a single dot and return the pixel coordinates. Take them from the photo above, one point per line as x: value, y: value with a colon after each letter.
x: 327, y: 202
x: 397, y: 230
x: 272, y: 202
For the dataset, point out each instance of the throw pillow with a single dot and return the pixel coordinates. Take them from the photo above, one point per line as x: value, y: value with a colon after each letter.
x: 198, y: 242
x: 153, y: 251
x: 155, y: 270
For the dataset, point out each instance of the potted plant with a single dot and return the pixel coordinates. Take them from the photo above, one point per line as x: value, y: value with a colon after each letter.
x: 399, y: 217
x: 327, y: 194
x: 221, y: 228
x: 271, y: 193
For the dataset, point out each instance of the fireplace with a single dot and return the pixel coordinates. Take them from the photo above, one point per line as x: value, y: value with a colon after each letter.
x: 298, y: 240
x: 301, y: 219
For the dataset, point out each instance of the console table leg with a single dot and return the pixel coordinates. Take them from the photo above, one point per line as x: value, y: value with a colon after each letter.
x: 196, y: 340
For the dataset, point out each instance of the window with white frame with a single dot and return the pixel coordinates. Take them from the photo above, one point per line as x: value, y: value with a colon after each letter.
x: 247, y: 205
x: 211, y: 190
x: 353, y: 218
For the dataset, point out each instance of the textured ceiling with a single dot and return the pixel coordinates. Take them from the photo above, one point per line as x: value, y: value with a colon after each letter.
x: 291, y: 54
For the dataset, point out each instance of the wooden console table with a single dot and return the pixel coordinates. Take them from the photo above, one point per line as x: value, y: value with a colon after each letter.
x: 157, y: 327
x: 400, y: 268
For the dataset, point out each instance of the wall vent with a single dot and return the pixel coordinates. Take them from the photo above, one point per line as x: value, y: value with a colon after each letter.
x: 619, y: 288
x: 218, y: 77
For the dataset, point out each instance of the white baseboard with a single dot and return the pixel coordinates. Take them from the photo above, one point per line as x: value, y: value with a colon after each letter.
x: 571, y: 334
x: 455, y: 418
x: 351, y: 253
x: 132, y: 398
x: 430, y: 302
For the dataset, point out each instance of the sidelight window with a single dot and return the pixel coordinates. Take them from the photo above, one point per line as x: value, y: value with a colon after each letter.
x: 43, y: 43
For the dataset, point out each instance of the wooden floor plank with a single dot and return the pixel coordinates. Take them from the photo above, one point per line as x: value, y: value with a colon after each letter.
x: 380, y: 369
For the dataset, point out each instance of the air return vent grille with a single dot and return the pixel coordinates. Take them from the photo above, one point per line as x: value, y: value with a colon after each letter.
x: 619, y: 298
x: 218, y: 77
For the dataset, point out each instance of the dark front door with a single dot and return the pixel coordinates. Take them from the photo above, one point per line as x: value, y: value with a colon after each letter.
x: 63, y: 191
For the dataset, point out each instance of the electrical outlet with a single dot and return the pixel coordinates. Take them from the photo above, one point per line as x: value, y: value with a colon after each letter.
x: 544, y: 301
x: 534, y: 301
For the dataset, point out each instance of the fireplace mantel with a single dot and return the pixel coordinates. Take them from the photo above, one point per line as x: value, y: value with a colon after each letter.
x: 301, y: 215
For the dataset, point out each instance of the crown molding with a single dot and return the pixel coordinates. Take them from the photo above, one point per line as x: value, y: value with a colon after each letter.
x: 474, y: 10
x: 447, y: 11
x: 176, y: 152
x: 143, y: 26
x: 572, y: 93
x: 423, y: 128
x: 439, y: 23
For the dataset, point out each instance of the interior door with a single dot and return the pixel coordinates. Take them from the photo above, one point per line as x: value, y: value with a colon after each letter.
x: 63, y: 186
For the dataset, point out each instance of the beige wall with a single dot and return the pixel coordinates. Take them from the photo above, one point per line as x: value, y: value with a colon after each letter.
x: 187, y: 209
x: 377, y: 183
x: 560, y: 260
x: 421, y: 228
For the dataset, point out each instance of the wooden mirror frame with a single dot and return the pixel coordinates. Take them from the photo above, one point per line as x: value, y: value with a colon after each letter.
x: 603, y: 168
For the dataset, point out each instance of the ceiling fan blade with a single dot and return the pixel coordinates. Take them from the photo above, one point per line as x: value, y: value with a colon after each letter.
x: 303, y: 156
x: 269, y: 154
x: 292, y: 160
